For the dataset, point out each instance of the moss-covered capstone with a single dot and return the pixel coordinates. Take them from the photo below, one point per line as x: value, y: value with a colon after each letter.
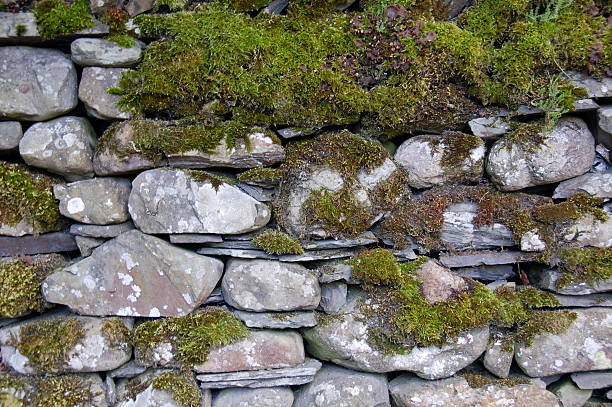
x: 276, y: 242
x: 161, y: 386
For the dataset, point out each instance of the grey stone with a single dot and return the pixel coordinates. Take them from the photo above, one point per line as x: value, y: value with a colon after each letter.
x: 10, y: 33
x: 291, y: 132
x: 604, y: 152
x: 94, y: 352
x: 489, y: 127
x: 87, y: 244
x: 547, y: 279
x: 290, y: 258
x: 584, y: 346
x: 170, y: 201
x: 531, y: 241
x: 93, y: 92
x: 104, y: 231
x: 335, y: 386
x: 277, y: 320
x: 595, y: 88
x: 107, y: 54
x: 111, y: 395
x: 215, y: 297
x: 263, y: 285
x: 99, y: 201
x: 277, y: 7
x: 590, y: 300
x: 262, y: 397
x: 593, y: 380
x: 259, y: 193
x: 237, y: 253
x: 584, y: 105
x: 364, y: 239
x: 408, y: 391
x: 135, y: 275
x: 187, y: 238
x: 35, y: 83
x: 604, y: 118
x: 482, y: 258
x: 344, y: 341
x: 290, y: 376
x: 63, y: 146
x: 333, y: 297
x: 568, y: 151
x: 438, y: 284
x: 487, y: 273
x: 47, y: 243
x: 334, y: 270
x: 128, y: 370
x: 135, y: 7
x: 497, y: 359
x: 569, y: 394
x: 596, y: 184
x: 10, y: 135
x: 589, y: 231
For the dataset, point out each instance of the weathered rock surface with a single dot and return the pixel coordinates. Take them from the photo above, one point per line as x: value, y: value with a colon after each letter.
x: 409, y: 391
x: 568, y: 151
x: 487, y: 273
x: 95, y: 351
x: 344, y: 341
x: 262, y: 285
x: 497, y: 359
x: 596, y: 184
x: 569, y: 394
x: 48, y: 243
x: 98, y: 201
x: 93, y: 91
x: 263, y: 397
x: 489, y: 127
x: 172, y: 201
x: 589, y: 231
x: 604, y: 118
x: 590, y: 300
x: 547, y: 279
x: 10, y: 135
x: 595, y: 88
x: 335, y: 386
x: 592, y: 380
x: 584, y: 346
x: 277, y: 320
x: 63, y: 146
x: 191, y: 238
x: 135, y: 275
x: 100, y: 52
x: 312, y: 255
x: 101, y: 231
x: 426, y: 159
x: 482, y: 258
x: 333, y: 297
x: 10, y: 33
x: 438, y: 284
x: 35, y: 83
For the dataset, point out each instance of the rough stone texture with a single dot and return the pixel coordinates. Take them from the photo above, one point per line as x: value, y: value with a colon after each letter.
x: 569, y: 394
x: 135, y: 7
x: 489, y: 127
x: 102, y: 231
x: 568, y: 151
x: 263, y: 285
x: 487, y: 273
x: 291, y: 376
x: 584, y: 346
x: 424, y: 158
x: 604, y: 118
x: 263, y: 397
x: 277, y: 320
x: 333, y: 297
x: 48, y: 243
x: 195, y: 238
x: 170, y: 201
x: 36, y: 84
x: 589, y: 231
x: 87, y: 244
x: 595, y: 88
x: 63, y: 146
x: 531, y: 241
x: 344, y: 341
x: 135, y: 275
x: 10, y: 135
x: 335, y: 270
x: 93, y: 91
x: 11, y: 34
x: 99, y: 201
x: 260, y: 254
x: 482, y: 258
x: 438, y: 284
x: 592, y: 300
x: 592, y: 380
x: 597, y: 184
x: 408, y: 391
x: 100, y: 52
x: 547, y: 279
x: 129, y: 370
x: 335, y: 386
x: 93, y: 353
x: 496, y: 359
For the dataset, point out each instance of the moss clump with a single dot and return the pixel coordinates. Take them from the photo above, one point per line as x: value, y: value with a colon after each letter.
x: 64, y: 391
x: 265, y: 177
x: 26, y: 196
x: 58, y: 17
x: 193, y: 336
x: 117, y: 335
x: 544, y: 322
x: 116, y: 17
x: 46, y: 343
x: 376, y: 266
x: 458, y: 148
x: 477, y: 380
x: 275, y: 242
x: 215, y: 180
x: 20, y: 281
x: 245, y: 5
x: 181, y: 386
x: 15, y: 391
x: 590, y: 265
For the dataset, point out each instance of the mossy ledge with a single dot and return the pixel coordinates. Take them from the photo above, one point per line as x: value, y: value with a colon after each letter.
x: 181, y: 385
x: 276, y: 242
x: 57, y: 391
x: 58, y: 17
x: 590, y: 265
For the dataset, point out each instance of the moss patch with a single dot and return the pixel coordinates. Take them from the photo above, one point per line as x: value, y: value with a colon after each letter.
x: 215, y: 180
x: 479, y: 380
x: 590, y: 265
x: 275, y: 242
x: 544, y: 322
x: 265, y: 177
x: 58, y: 17
x: 376, y: 266
x: 181, y: 386
x: 64, y: 391
x: 117, y: 335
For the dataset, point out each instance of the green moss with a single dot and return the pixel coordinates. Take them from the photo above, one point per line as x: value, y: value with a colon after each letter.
x: 478, y: 380
x: 214, y: 179
x: 192, y: 336
x: 245, y: 5
x: 46, y: 343
x: 117, y: 335
x: 15, y: 391
x: 20, y: 29
x: 26, y: 196
x: 458, y: 148
x: 590, y: 265
x: 376, y: 266
x: 58, y: 17
x: 544, y: 322
x: 20, y: 281
x: 261, y: 176
x: 126, y: 41
x: 181, y: 386
x: 116, y: 17
x: 64, y: 391
x: 275, y: 242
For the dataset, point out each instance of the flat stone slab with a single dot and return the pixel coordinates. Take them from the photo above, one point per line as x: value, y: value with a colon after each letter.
x: 195, y: 238
x: 589, y: 300
x: 277, y: 320
x: 260, y: 254
x: 593, y: 380
x: 547, y: 279
x: 487, y: 273
x: 484, y: 258
x: 54, y: 242
x: 596, y: 184
x: 104, y: 53
x: 10, y: 135
x: 106, y: 231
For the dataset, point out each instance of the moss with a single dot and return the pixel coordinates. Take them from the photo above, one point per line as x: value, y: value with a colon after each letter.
x: 116, y: 17
x: 376, y: 266
x: 20, y: 29
x: 126, y: 41
x: 261, y: 176
x: 58, y: 17
x: 544, y: 322
x: 172, y: 5
x: 275, y: 242
x: 284, y: 316
x: 64, y: 391
x: 181, y: 386
x: 245, y: 5
x: 589, y: 265
x: 46, y: 343
x: 117, y: 335
x: 457, y: 150
x: 192, y: 336
x: 15, y: 391
x: 27, y: 196
x: 20, y: 281
x: 214, y: 179
x: 477, y: 380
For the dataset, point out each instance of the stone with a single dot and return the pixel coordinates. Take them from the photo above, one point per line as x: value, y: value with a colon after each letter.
x: 47, y: 243
x: 277, y: 7
x: 497, y: 359
x: 335, y: 386
x: 531, y: 241
x: 333, y: 297
x: 11, y: 33
x: 569, y: 394
x: 93, y: 352
x: 426, y: 158
x: 260, y: 254
x: 489, y: 127
x: 334, y: 270
x: 481, y: 258
x: 172, y: 201
x: 291, y: 132
x: 36, y: 84
x: 289, y: 376
x: 262, y: 397
x: 595, y: 88
x: 93, y: 92
x: 604, y: 118
x: 276, y: 320
x: 584, y: 105
x: 408, y: 391
x: 259, y: 193
x: 128, y: 370
x: 547, y: 279
x: 101, y: 231
x: 589, y: 300
x: 364, y: 239
x: 584, y: 346
x: 344, y: 341
x: 10, y: 135
x: 439, y: 284
x: 568, y: 151
x: 458, y: 231
x: 589, y: 231
x: 135, y: 7
x: 596, y: 184
x: 487, y: 273
x: 104, y: 53
x: 135, y: 275
x: 263, y: 285
x: 194, y: 238
x: 592, y: 380
x: 87, y: 244
x: 63, y: 146
x: 98, y: 201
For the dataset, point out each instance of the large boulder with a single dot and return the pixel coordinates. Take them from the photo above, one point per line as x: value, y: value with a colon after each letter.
x: 267, y: 285
x: 63, y: 146
x: 562, y: 153
x: 93, y: 91
x: 104, y: 53
x: 36, y: 84
x: 183, y: 201
x: 263, y: 397
x: 135, y: 275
